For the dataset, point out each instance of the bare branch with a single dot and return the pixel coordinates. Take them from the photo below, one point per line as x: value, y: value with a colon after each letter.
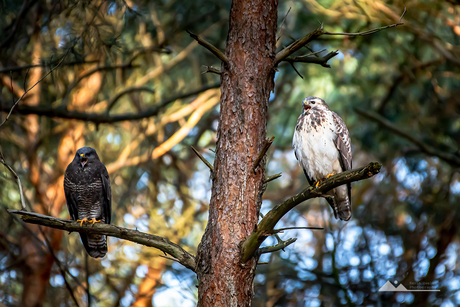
x: 267, y: 145
x: 297, y: 45
x: 428, y: 149
x: 313, y: 59
x: 103, y: 118
x: 283, y: 54
x: 272, y: 177
x: 17, y: 101
x: 268, y: 223
x: 277, y: 247
x: 210, y: 47
x: 292, y: 228
x: 163, y: 244
x: 211, y: 70
x: 209, y: 165
x: 373, y: 30
x: 280, y: 32
x: 21, y: 193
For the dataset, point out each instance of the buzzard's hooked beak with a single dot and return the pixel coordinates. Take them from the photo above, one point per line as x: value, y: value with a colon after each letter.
x: 83, y: 160
x: 306, y: 107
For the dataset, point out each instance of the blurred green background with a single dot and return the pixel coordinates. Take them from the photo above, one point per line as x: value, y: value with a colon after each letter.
x: 135, y: 77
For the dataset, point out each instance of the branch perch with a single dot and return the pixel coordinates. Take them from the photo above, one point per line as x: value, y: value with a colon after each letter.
x: 268, y: 223
x: 163, y: 244
x: 432, y: 151
x: 267, y: 145
x: 210, y: 47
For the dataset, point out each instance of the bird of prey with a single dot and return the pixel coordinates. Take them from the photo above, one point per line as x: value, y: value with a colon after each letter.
x: 89, y: 198
x: 323, y: 148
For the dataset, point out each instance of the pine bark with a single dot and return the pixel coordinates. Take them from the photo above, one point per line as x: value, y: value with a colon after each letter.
x: 246, y: 84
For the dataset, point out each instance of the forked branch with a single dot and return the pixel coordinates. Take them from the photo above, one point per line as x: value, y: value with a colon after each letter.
x: 268, y: 223
x: 163, y: 244
x: 296, y: 45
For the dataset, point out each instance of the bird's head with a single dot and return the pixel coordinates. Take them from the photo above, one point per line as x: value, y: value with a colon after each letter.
x: 86, y: 155
x: 314, y: 103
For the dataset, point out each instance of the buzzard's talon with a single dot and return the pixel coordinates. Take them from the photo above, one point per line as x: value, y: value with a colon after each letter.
x: 84, y: 220
x: 331, y: 174
x: 317, y: 184
x: 93, y: 221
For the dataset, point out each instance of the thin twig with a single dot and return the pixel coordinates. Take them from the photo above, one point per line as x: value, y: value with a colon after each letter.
x: 210, y: 47
x: 209, y: 165
x: 272, y: 177
x: 277, y: 247
x: 372, y: 31
x: 170, y: 258
x: 88, y: 292
x: 211, y: 70
x: 295, y: 69
x: 313, y: 59
x: 267, y: 145
x: 21, y: 193
x: 278, y: 239
x: 289, y: 228
x: 282, y: 25
x: 17, y: 101
x: 296, y: 45
x: 58, y: 262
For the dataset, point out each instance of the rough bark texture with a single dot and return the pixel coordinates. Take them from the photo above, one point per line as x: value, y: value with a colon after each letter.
x: 237, y: 190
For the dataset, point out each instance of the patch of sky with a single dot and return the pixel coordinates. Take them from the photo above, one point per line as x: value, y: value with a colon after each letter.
x: 306, y: 275
x: 74, y: 272
x: 142, y: 270
x: 127, y: 298
x: 142, y: 223
x: 455, y: 187
x: 129, y: 219
x: 327, y: 264
x: 307, y: 263
x: 309, y: 302
x: 260, y: 278
x: 368, y: 275
x: 112, y: 8
x: 143, y: 181
x: 447, y: 303
x: 329, y: 242
x: 130, y: 252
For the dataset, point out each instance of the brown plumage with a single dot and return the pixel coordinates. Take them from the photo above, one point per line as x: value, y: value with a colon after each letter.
x: 88, y: 195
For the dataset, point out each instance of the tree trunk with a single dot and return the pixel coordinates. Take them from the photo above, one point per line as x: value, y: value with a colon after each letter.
x: 246, y: 83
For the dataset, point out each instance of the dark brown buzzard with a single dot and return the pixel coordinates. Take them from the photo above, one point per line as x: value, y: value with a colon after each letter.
x: 88, y: 194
